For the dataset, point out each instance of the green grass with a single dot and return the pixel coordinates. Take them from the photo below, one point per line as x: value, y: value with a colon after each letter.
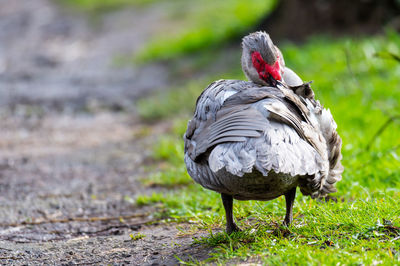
x: 164, y: 104
x: 328, y: 233
x: 352, y: 231
x: 195, y: 24
x: 202, y: 24
x: 101, y: 6
x: 137, y: 236
x: 172, y: 172
x: 168, y: 170
x: 363, y: 226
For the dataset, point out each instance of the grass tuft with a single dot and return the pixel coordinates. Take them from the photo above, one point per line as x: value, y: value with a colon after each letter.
x: 137, y: 236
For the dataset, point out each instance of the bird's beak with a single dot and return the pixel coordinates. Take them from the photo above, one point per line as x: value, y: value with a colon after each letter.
x: 272, y: 81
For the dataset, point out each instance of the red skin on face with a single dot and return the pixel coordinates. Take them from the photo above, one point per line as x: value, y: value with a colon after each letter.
x: 264, y: 69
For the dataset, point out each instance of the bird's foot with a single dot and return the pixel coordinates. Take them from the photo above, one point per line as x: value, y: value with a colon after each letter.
x: 287, y: 222
x: 232, y: 228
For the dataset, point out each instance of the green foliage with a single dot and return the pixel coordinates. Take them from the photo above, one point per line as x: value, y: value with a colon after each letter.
x: 363, y: 226
x: 206, y: 23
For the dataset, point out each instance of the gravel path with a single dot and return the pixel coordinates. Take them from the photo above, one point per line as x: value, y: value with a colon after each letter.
x: 66, y: 154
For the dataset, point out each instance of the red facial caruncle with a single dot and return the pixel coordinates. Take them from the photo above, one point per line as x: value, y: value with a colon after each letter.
x: 264, y: 69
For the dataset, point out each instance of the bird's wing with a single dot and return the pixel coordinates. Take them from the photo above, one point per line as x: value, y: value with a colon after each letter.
x: 223, y: 114
x: 235, y: 124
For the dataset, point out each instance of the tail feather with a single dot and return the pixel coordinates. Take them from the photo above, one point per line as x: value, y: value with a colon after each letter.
x: 334, y: 145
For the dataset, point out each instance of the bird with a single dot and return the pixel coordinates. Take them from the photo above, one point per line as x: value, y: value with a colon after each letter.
x: 262, y: 138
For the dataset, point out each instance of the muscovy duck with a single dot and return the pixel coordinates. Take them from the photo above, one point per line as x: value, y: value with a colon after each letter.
x: 262, y: 138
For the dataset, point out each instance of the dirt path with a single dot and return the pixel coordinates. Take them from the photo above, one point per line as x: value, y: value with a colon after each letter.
x: 57, y: 58
x: 65, y: 154
x: 76, y: 168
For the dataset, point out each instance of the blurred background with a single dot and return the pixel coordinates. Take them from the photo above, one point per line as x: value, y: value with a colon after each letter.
x: 95, y: 96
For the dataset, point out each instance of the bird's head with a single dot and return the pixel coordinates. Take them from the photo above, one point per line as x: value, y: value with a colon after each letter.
x: 262, y: 61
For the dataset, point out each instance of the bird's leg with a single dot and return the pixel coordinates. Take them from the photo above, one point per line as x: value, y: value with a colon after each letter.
x: 289, y: 197
x: 227, y: 200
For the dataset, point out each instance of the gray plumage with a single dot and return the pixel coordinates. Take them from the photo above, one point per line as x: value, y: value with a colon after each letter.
x: 255, y: 131
x: 255, y: 142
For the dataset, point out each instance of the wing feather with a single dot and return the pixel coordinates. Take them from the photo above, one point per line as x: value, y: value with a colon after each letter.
x: 232, y: 126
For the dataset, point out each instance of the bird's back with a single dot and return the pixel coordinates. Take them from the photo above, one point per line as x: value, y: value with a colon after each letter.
x: 254, y: 142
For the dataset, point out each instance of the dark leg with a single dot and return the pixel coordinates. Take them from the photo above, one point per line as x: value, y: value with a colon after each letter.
x: 227, y: 200
x: 289, y: 197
